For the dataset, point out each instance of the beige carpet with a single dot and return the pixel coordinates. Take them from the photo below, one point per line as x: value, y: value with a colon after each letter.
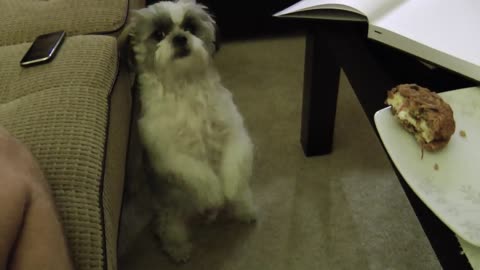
x: 341, y: 211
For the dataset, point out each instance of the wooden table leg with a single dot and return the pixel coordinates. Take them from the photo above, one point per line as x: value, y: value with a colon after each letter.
x: 320, y: 93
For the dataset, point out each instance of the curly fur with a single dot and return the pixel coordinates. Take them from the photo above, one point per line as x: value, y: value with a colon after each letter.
x: 195, y: 138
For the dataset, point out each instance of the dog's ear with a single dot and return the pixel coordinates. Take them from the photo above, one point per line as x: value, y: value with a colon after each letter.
x: 125, y: 39
x: 217, y: 41
x: 211, y: 19
x: 133, y: 18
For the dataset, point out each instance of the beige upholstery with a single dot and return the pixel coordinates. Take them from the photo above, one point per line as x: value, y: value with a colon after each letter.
x: 65, y: 111
x: 116, y: 155
x: 74, y: 113
x: 23, y: 20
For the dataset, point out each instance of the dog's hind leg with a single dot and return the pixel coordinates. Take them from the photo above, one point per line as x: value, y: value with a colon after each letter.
x: 172, y: 229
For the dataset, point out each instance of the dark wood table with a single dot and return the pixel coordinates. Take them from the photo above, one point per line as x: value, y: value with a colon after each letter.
x: 372, y: 69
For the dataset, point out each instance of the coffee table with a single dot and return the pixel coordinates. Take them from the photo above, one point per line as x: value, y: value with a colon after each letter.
x: 372, y: 69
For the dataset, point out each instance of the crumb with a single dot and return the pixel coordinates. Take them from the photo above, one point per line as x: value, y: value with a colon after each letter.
x: 435, y: 167
x: 463, y: 134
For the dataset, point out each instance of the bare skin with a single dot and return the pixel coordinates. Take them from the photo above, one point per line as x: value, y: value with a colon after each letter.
x: 31, y: 235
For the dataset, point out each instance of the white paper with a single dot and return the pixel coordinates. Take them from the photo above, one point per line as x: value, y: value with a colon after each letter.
x: 451, y: 27
x: 355, y: 6
x: 368, y: 8
x: 444, y: 32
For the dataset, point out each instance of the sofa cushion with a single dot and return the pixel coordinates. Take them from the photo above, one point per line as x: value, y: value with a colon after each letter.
x: 61, y: 111
x: 23, y: 20
x: 114, y: 166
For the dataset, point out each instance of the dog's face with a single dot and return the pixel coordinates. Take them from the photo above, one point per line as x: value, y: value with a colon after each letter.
x: 173, y: 36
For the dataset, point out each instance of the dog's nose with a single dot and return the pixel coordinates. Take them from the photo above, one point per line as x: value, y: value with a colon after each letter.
x: 179, y: 41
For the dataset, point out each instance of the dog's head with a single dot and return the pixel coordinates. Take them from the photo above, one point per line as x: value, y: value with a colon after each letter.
x: 173, y: 35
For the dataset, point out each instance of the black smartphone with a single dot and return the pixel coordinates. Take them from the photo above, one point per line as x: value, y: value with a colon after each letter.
x: 43, y: 49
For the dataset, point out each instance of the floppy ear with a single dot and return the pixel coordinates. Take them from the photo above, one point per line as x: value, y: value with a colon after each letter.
x: 134, y: 16
x: 211, y: 19
x: 217, y: 41
x: 128, y: 30
x: 125, y: 38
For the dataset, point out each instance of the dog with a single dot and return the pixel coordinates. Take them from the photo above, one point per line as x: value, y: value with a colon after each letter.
x: 192, y: 132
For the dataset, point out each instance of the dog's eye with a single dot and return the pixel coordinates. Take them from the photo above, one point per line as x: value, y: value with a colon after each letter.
x: 159, y: 35
x: 190, y: 27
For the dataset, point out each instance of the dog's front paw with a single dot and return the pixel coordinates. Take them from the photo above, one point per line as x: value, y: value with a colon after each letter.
x: 211, y: 196
x: 179, y: 253
x: 246, y: 213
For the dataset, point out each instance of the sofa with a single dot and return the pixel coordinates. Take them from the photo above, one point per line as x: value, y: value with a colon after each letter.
x: 74, y: 112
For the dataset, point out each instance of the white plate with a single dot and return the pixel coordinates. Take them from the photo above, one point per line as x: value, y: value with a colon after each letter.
x: 453, y: 191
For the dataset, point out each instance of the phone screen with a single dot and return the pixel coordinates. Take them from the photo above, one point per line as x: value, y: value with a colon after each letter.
x: 43, y: 48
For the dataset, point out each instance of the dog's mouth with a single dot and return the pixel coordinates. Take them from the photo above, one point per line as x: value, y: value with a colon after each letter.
x: 182, y: 52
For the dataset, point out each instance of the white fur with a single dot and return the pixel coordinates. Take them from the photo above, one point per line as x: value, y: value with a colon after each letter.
x: 191, y: 129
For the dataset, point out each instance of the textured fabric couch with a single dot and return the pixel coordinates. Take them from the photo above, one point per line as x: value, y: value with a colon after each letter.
x: 74, y: 112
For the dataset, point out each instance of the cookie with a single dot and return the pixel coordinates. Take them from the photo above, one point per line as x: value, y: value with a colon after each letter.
x: 424, y: 114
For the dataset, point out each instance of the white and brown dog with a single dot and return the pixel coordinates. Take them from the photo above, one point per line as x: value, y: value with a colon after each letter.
x: 194, y: 136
